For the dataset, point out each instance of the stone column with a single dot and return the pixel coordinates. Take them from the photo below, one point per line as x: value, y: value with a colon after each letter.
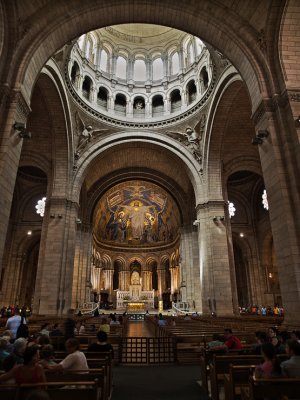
x: 98, y: 55
x: 109, y: 273
x: 280, y: 160
x: 147, y: 280
x: 54, y: 282
x: 181, y: 61
x: 13, y: 108
x: 161, y: 277
x: 82, y: 265
x: 122, y: 280
x: 216, y: 277
x: 113, y: 65
x: 190, y: 285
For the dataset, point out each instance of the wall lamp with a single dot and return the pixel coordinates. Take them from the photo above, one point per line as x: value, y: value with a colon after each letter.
x: 218, y: 218
x: 196, y: 222
x: 21, y: 131
x: 78, y: 221
x: 298, y: 120
x: 259, y: 138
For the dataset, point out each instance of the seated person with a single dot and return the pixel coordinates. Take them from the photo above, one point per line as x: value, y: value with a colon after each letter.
x: 261, y: 338
x: 47, y: 356
x: 30, y: 372
x: 104, y: 326
x: 45, y: 329
x: 291, y: 367
x: 19, y: 349
x: 217, y: 340
x: 265, y: 370
x: 101, y: 345
x: 3, y: 352
x: 75, y: 359
x: 231, y: 342
x: 56, y: 331
x: 114, y: 320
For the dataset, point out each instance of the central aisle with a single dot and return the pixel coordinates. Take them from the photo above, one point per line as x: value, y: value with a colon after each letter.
x: 138, y: 329
x: 157, y: 383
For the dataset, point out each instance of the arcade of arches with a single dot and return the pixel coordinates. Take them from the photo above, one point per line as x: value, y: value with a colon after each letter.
x: 141, y: 138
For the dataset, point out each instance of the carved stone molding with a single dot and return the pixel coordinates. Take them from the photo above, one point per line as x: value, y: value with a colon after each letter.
x: 22, y: 107
x: 211, y: 204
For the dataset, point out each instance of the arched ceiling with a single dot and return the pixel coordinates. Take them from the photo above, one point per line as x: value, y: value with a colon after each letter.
x: 142, y: 156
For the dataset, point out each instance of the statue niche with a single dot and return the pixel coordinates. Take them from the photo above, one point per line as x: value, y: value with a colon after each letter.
x: 135, y: 287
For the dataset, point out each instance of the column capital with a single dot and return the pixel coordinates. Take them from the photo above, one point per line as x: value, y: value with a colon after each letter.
x: 210, y: 204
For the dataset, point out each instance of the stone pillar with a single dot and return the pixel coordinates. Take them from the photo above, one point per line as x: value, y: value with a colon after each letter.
x: 172, y: 272
x: 129, y: 108
x: 13, y: 108
x: 113, y: 65
x: 130, y: 70
x: 280, y: 160
x: 54, y: 282
x: 98, y: 55
x: 181, y: 61
x: 190, y: 286
x: 96, y: 278
x: 161, y: 277
x: 109, y: 273
x: 147, y: 280
x: 82, y: 266
x: 149, y: 76
x: 123, y: 280
x: 216, y: 277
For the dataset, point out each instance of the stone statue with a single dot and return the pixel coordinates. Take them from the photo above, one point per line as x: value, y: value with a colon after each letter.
x: 85, y: 134
x: 192, y: 137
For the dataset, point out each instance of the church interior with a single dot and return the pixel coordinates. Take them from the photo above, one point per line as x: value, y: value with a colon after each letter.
x: 150, y: 157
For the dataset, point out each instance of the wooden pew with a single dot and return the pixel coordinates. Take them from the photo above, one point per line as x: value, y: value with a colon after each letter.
x: 101, y: 361
x: 77, y: 390
x: 220, y: 366
x: 9, y: 392
x: 92, y: 375
x: 237, y: 378
x: 275, y: 388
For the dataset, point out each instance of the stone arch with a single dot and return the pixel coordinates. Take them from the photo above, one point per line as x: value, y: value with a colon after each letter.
x: 124, y: 137
x: 289, y: 46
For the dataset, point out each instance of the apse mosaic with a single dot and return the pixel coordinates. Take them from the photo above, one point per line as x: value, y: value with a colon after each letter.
x: 137, y: 213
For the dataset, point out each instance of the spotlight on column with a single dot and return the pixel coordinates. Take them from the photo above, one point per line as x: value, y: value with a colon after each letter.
x: 260, y: 136
x: 196, y: 222
x: 78, y: 221
x: 221, y: 218
x: 215, y: 218
x: 21, y: 131
x: 298, y: 120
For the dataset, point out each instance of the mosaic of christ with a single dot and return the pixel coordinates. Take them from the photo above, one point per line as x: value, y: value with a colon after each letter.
x: 137, y: 213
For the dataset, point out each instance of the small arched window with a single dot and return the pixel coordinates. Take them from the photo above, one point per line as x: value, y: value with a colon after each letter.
x: 87, y: 88
x: 157, y: 105
x: 75, y: 74
x: 121, y: 67
x: 103, y: 60
x: 199, y: 46
x: 175, y: 64
x: 204, y: 79
x: 120, y: 104
x: 190, y: 53
x: 158, y: 69
x: 102, y: 97
x: 89, y: 50
x: 81, y: 42
x: 191, y: 91
x: 139, y: 72
x: 175, y: 98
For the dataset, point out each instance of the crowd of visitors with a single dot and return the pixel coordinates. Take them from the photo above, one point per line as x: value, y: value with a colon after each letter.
x: 263, y: 310
x: 25, y: 359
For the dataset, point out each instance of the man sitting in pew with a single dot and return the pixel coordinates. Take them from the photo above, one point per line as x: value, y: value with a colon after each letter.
x: 291, y: 367
x: 231, y: 341
x: 75, y: 360
x: 101, y: 345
